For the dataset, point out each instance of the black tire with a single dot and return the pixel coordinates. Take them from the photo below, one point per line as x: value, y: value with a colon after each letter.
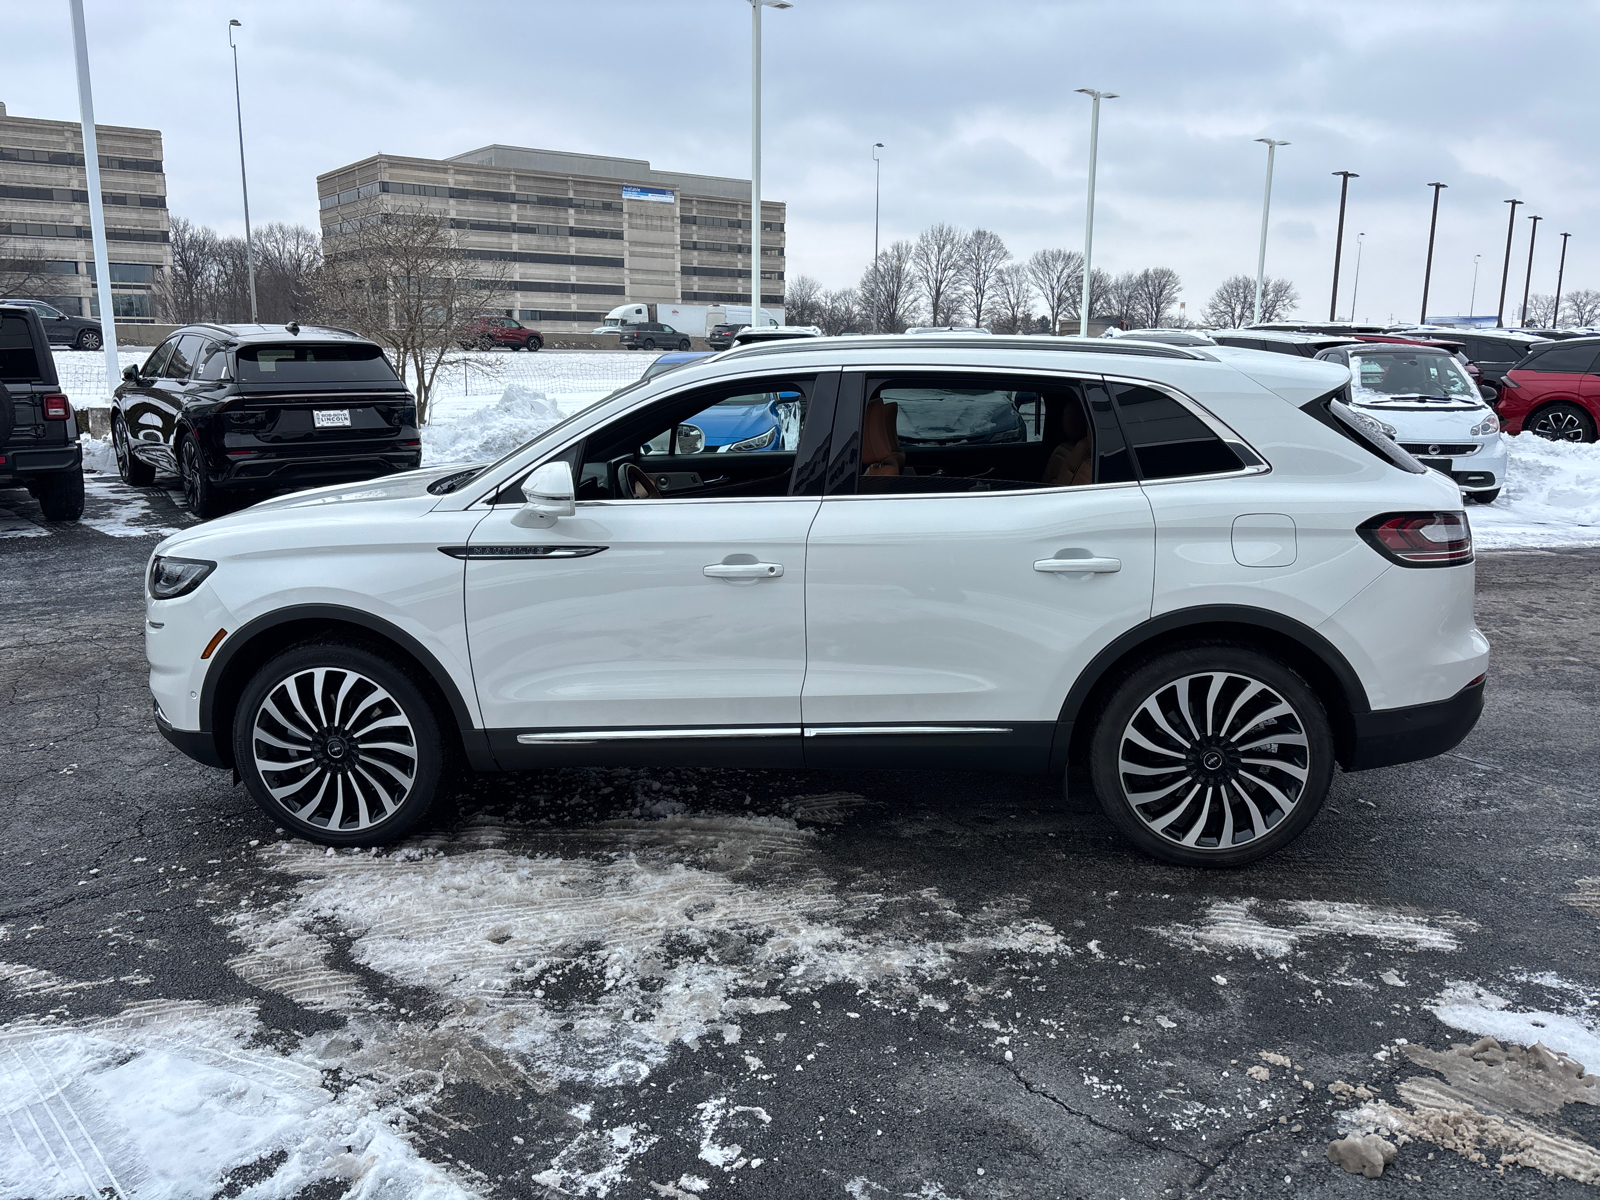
x: 1488, y: 497
x: 364, y: 748
x: 131, y: 470
x: 649, y: 344
x: 89, y: 339
x: 200, y: 495
x: 1562, y: 422
x: 533, y: 345
x: 684, y: 344
x: 1275, y: 792
x: 60, y: 495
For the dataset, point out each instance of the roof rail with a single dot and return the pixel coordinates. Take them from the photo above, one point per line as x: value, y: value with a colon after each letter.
x: 1074, y: 345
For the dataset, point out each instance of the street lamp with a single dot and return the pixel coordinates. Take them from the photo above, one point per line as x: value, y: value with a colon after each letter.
x: 877, y: 192
x: 1555, y: 314
x: 1533, y: 235
x: 755, y: 153
x: 1266, y: 205
x: 238, y: 112
x: 1088, y: 224
x: 1427, y: 272
x: 1338, y: 241
x: 1472, y: 304
x: 97, y: 212
x: 1505, y: 273
x: 1361, y: 241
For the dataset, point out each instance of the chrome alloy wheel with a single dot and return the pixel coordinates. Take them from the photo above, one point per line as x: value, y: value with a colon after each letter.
x: 1558, y: 425
x: 1214, y: 760
x: 334, y: 749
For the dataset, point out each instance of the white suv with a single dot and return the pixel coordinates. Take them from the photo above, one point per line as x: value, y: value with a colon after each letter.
x: 1192, y: 570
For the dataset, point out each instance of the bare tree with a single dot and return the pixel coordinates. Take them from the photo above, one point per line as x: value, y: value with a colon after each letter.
x: 985, y: 255
x: 1013, y: 299
x: 1233, y: 303
x: 287, y: 258
x: 1278, y: 299
x: 1151, y: 295
x: 939, y: 261
x: 886, y: 296
x: 402, y: 278
x: 802, y: 301
x: 1117, y: 301
x: 1581, y: 308
x: 23, y: 272
x: 1057, y: 275
x: 838, y: 313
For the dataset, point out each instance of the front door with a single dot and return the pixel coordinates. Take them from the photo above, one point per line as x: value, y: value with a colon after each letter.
x: 665, y: 620
x: 986, y: 544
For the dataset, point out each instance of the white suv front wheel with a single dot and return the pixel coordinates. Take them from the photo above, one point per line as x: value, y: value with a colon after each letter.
x: 1212, y: 756
x: 338, y: 744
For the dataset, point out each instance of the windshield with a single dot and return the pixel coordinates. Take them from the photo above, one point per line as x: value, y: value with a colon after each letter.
x: 308, y: 362
x: 1410, y: 373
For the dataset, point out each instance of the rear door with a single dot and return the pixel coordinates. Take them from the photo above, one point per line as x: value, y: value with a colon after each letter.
x: 958, y: 582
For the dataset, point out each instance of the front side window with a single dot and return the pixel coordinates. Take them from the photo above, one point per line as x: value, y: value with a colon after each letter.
x: 734, y: 440
x: 1411, y: 373
x: 157, y: 362
x: 1168, y: 440
x: 311, y: 362
x: 182, y: 359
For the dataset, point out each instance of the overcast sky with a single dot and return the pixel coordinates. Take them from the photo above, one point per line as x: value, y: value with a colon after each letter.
x: 974, y: 102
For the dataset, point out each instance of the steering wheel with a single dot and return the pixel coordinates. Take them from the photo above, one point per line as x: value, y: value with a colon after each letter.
x: 636, y: 485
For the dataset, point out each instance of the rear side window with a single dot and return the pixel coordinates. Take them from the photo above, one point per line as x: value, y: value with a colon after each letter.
x: 1489, y: 350
x: 1562, y: 359
x: 18, y: 359
x: 1168, y: 440
x: 213, y: 362
x: 309, y: 362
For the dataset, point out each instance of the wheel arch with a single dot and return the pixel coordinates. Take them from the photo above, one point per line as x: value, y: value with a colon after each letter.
x: 1548, y: 402
x: 242, y: 654
x: 1320, y: 662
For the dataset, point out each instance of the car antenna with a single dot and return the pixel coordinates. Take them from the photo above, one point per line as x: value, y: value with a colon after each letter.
x: 293, y: 327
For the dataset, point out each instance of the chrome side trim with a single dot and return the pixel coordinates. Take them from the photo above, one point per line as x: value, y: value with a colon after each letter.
x: 899, y: 730
x: 479, y: 552
x: 580, y: 736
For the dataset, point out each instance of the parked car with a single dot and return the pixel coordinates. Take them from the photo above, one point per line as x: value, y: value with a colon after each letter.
x: 1302, y: 345
x: 1199, y: 574
x: 676, y: 358
x: 1336, y: 327
x: 81, y: 333
x: 239, y: 409
x: 485, y: 333
x: 1554, y: 391
x: 1170, y: 337
x: 652, y: 335
x: 750, y: 335
x: 721, y: 336
x: 1493, y: 353
x: 1423, y: 398
x: 38, y: 436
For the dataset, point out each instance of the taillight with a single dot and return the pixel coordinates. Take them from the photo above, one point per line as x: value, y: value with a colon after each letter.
x: 1425, y: 539
x: 1510, y: 383
x: 56, y: 408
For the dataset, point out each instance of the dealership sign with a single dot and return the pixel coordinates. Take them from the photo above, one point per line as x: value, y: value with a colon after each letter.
x: 665, y: 195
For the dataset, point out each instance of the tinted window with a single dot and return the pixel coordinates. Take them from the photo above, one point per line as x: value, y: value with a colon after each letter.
x: 1563, y: 359
x: 17, y: 357
x: 1168, y: 440
x: 153, y: 365
x: 1490, y: 350
x: 309, y: 362
x: 213, y: 362
x: 184, y: 353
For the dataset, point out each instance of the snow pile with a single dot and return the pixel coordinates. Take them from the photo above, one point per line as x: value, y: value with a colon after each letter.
x: 486, y: 433
x: 1551, y: 497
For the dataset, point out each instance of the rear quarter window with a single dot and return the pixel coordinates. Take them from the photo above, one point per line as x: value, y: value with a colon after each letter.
x: 19, y: 360
x: 1168, y: 440
x: 310, y: 362
x: 1561, y: 360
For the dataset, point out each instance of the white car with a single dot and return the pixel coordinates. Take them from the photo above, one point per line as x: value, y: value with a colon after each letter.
x: 1424, y: 399
x: 1207, y: 580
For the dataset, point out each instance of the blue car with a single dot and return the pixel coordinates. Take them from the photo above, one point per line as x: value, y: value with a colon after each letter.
x: 738, y: 424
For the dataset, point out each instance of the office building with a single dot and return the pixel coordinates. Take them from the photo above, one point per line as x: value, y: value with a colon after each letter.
x: 44, y: 212
x: 580, y: 234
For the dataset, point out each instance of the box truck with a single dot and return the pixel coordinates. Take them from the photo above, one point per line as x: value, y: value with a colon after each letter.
x: 696, y: 320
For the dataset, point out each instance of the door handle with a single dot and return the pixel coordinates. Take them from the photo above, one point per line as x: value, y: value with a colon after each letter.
x: 757, y: 570
x: 1088, y: 566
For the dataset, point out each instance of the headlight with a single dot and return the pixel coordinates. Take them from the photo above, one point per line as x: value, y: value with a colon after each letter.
x: 1490, y: 424
x: 759, y: 442
x: 174, y: 577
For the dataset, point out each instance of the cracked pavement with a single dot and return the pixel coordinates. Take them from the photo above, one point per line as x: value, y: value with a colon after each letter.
x: 949, y: 985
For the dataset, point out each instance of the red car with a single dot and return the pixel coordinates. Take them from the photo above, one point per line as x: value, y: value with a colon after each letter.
x: 485, y: 333
x: 1555, y: 391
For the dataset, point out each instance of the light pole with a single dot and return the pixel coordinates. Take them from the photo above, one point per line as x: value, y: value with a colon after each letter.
x: 1266, y: 206
x: 238, y: 112
x: 97, y: 215
x: 1555, y: 315
x: 755, y: 153
x: 1427, y: 272
x: 1533, y: 234
x: 1361, y: 241
x: 1338, y: 241
x: 877, y: 193
x: 1505, y: 272
x: 1088, y: 222
x: 1472, y: 304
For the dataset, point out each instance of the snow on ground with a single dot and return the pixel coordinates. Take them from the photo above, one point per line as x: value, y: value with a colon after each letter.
x: 1551, y: 497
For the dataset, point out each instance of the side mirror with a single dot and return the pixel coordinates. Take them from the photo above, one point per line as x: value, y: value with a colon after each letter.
x: 549, y: 496
x: 1488, y: 393
x: 130, y: 373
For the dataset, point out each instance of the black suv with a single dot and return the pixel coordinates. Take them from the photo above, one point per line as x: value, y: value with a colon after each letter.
x: 652, y: 335
x: 1494, y: 353
x: 234, y: 409
x: 721, y: 336
x: 38, y: 438
x: 81, y: 333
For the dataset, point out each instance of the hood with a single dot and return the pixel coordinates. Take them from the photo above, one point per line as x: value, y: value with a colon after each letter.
x: 1431, y: 425
x: 1382, y: 402
x: 407, y: 485
x: 726, y: 424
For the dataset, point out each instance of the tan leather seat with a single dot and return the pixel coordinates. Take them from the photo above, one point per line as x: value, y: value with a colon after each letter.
x: 1071, y: 463
x: 880, y: 444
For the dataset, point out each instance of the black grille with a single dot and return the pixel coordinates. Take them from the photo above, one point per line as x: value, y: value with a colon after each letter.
x: 1440, y: 449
